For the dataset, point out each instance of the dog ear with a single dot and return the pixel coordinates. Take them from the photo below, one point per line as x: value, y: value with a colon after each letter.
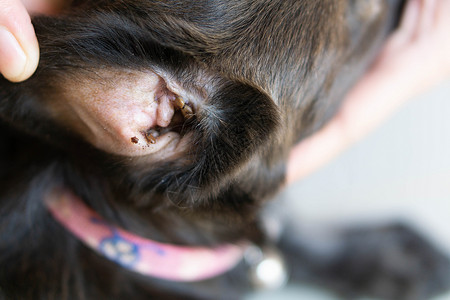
x: 234, y: 125
x: 104, y: 67
x: 125, y: 111
x: 92, y: 61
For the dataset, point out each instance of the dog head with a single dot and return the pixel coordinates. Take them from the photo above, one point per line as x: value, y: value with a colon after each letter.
x: 190, y: 104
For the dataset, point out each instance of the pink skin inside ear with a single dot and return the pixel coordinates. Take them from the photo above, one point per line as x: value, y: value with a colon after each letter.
x: 115, y: 112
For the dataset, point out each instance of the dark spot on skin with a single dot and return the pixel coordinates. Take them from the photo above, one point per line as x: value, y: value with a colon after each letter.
x: 150, y: 138
x: 134, y: 140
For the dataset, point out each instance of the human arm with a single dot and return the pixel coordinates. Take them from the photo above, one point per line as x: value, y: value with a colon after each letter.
x: 414, y: 58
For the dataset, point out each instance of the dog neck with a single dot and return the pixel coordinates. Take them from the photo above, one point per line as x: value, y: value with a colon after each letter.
x: 138, y: 254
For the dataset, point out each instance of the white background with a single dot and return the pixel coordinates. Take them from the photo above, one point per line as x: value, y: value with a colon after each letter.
x: 400, y: 171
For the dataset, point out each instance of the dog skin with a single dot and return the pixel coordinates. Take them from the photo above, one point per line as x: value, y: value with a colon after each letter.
x: 100, y: 118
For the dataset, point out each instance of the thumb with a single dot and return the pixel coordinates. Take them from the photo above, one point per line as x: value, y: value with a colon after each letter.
x: 19, y: 50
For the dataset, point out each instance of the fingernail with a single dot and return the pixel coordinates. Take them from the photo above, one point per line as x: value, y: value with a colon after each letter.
x: 12, y: 58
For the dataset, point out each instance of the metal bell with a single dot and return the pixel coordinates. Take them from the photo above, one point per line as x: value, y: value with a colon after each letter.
x: 267, y: 267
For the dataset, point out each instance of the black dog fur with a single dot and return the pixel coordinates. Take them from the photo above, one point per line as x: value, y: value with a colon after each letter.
x: 269, y: 73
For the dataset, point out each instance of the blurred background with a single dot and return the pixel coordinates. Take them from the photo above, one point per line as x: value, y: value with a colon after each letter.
x: 399, y: 172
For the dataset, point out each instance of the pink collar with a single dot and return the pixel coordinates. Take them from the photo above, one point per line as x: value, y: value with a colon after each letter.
x: 144, y: 256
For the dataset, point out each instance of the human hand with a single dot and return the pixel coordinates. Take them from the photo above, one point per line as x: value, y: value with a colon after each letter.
x: 414, y: 58
x: 19, y: 50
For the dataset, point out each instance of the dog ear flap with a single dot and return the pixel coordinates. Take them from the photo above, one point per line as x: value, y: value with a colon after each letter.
x: 125, y: 112
x: 107, y: 68
x: 244, y: 120
x: 233, y: 120
x: 235, y: 123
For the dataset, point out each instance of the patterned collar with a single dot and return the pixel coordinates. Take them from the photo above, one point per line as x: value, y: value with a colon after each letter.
x: 138, y: 254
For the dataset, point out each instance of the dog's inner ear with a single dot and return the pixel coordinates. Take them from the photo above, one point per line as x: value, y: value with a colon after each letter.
x: 125, y: 112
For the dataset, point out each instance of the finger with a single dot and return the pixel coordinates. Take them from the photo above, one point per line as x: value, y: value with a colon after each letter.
x: 427, y: 15
x: 406, y: 31
x: 410, y: 15
x: 443, y: 15
x: 19, y: 51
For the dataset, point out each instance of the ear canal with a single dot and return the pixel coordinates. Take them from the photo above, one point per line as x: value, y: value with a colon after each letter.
x: 130, y: 113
